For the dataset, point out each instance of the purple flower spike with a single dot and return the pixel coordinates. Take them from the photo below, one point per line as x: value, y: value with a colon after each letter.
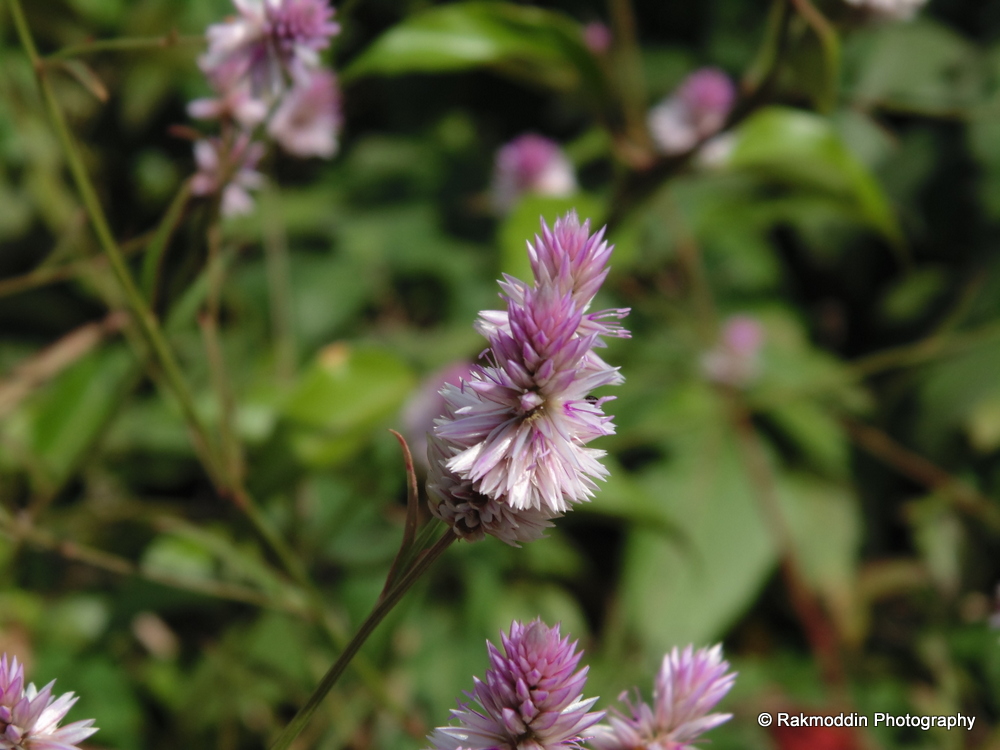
x: 29, y: 719
x: 269, y: 42
x: 518, y: 428
x: 530, y: 164
x: 689, y: 685
x: 694, y: 113
x: 531, y: 698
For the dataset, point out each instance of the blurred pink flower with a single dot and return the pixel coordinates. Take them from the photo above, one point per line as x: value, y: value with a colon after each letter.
x: 531, y: 700
x: 235, y: 104
x: 696, y: 111
x: 530, y: 164
x: 230, y: 170
x: 889, y: 10
x: 689, y: 685
x: 597, y: 37
x: 735, y: 359
x: 267, y: 43
x: 308, y: 120
x: 29, y: 718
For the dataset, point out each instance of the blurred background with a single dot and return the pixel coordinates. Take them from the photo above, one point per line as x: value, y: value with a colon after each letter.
x: 807, y: 458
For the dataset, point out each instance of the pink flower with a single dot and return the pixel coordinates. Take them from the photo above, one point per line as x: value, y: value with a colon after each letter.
x: 735, y: 360
x: 688, y: 686
x: 29, y: 719
x: 531, y: 700
x: 269, y: 42
x: 530, y: 164
x: 518, y: 428
x: 235, y: 104
x: 693, y: 113
x: 889, y: 10
x: 597, y: 37
x: 230, y: 170
x: 307, y: 121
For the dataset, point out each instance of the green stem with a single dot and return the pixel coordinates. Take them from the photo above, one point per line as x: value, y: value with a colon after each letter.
x: 157, y: 248
x: 126, y: 44
x: 144, y: 317
x: 378, y: 613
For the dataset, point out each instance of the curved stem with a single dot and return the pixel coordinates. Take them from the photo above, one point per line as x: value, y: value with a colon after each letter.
x: 378, y: 613
x: 126, y: 44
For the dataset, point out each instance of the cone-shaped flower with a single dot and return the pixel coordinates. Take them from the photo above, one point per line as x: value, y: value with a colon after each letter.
x: 519, y: 427
x: 269, y: 42
x: 531, y: 699
x: 689, y: 685
x: 29, y: 719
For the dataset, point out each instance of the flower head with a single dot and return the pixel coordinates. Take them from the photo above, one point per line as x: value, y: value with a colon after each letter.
x: 693, y: 113
x: 530, y: 164
x: 268, y: 43
x: 531, y: 699
x: 29, y: 718
x: 308, y: 119
x: 229, y: 169
x: 517, y: 428
x: 689, y: 685
x: 597, y: 37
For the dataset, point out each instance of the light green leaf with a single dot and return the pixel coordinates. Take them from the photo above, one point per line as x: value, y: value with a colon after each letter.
x: 802, y: 150
x: 531, y: 44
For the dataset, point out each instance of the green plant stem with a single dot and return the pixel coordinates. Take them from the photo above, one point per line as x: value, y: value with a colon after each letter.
x: 378, y: 613
x: 143, y: 315
x: 629, y: 70
x: 279, y: 287
x: 126, y: 44
x: 157, y: 247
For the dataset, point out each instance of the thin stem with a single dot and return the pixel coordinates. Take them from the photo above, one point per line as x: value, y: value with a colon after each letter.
x: 378, y: 613
x: 127, y: 44
x: 279, y: 288
x: 155, y: 252
x: 20, y: 530
x: 629, y: 69
x: 144, y: 317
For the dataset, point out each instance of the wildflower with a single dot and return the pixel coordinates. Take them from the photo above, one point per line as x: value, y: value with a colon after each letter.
x: 695, y: 112
x: 308, y: 119
x: 229, y: 169
x: 688, y: 686
x: 427, y: 404
x: 735, y: 360
x: 472, y: 515
x: 29, y: 719
x: 519, y: 426
x: 888, y: 10
x: 531, y: 699
x: 269, y: 42
x: 597, y: 37
x: 530, y: 164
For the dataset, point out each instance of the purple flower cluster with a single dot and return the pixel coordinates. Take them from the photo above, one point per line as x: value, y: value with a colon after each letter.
x: 29, y: 718
x: 735, y: 359
x: 693, y: 113
x: 688, y: 686
x: 263, y: 66
x: 511, y: 447
x: 532, y: 698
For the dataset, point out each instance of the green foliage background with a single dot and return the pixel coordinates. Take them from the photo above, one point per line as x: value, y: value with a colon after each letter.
x: 857, y: 219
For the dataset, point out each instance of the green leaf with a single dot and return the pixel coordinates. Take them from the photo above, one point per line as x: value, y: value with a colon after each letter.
x: 531, y: 44
x: 76, y: 408
x: 346, y: 392
x: 803, y: 151
x: 688, y: 589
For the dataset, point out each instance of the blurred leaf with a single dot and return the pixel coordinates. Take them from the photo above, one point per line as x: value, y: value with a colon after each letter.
x: 803, y: 150
x: 535, y: 45
x: 913, y: 294
x: 73, y: 411
x: 816, y: 433
x: 940, y: 538
x: 922, y: 67
x: 180, y: 557
x: 689, y: 589
x: 342, y: 395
